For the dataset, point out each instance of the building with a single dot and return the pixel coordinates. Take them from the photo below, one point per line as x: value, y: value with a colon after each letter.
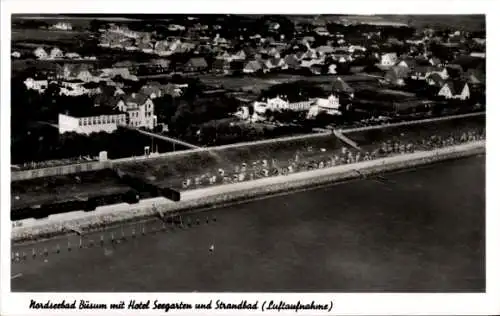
x: 72, y: 88
x: 56, y: 53
x: 329, y: 106
x: 140, y: 110
x: 252, y: 66
x: 37, y: 85
x: 40, y: 53
x: 279, y: 104
x: 196, y: 64
x: 389, y: 59
x: 91, y: 120
x: 221, y: 66
x: 339, y: 86
x: 62, y: 26
x: 455, y: 90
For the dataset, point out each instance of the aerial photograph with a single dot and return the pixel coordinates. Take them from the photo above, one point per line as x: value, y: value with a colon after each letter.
x: 248, y: 153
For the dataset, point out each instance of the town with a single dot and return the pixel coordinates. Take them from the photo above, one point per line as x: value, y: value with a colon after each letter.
x: 247, y: 153
x: 81, y: 87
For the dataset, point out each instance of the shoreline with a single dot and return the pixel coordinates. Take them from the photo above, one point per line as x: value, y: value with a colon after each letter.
x: 211, y: 197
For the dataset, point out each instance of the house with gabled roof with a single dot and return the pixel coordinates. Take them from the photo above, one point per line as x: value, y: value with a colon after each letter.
x: 435, y: 79
x: 252, y: 66
x: 340, y: 86
x: 388, y: 60
x: 196, y: 64
x: 291, y: 62
x: 56, y: 53
x: 40, y: 53
x: 140, y: 110
x: 221, y: 66
x: 397, y: 75
x: 455, y: 90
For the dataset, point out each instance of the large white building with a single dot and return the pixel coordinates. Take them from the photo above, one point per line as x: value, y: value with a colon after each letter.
x: 87, y: 123
x: 38, y: 85
x: 329, y: 106
x: 278, y: 104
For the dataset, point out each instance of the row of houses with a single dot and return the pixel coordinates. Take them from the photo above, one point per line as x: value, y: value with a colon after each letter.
x: 313, y: 107
x: 55, y: 54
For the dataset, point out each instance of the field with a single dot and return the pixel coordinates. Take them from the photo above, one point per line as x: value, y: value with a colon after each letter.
x: 44, y: 35
x: 63, y: 188
x: 257, y: 84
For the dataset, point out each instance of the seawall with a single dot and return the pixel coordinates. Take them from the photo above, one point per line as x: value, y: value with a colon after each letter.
x: 216, y: 196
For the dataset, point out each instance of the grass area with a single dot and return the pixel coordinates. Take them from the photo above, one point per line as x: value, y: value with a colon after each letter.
x: 257, y: 84
x: 372, y: 138
x: 42, y: 142
x: 171, y: 171
x: 44, y: 35
x: 64, y: 187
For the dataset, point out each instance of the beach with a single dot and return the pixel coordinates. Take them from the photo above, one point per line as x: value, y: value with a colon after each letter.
x: 211, y: 196
x: 420, y: 230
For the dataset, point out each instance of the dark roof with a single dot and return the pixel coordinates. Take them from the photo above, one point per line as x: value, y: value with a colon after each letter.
x: 454, y: 70
x: 137, y: 98
x: 467, y: 62
x: 340, y: 85
x: 198, y: 62
x: 437, y: 79
x: 476, y: 76
x: 424, y: 69
x: 87, y: 111
x: 456, y: 86
x: 292, y: 60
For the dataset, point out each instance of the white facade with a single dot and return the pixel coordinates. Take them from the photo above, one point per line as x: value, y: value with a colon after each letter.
x: 40, y: 53
x: 56, y: 53
x: 72, y: 89
x: 330, y: 106
x: 389, y: 59
x: 91, y: 124
x: 38, y: 85
x: 278, y: 104
x: 63, y: 26
x: 140, y: 115
x: 461, y: 95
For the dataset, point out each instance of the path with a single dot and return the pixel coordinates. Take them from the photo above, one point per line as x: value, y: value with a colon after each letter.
x: 163, y: 137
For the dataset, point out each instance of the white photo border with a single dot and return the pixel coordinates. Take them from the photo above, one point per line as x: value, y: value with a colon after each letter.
x: 345, y: 304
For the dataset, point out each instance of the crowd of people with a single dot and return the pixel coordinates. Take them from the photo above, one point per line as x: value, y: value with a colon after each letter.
x: 317, y: 158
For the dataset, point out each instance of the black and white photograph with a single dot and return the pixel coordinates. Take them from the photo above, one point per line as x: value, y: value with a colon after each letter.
x: 248, y: 153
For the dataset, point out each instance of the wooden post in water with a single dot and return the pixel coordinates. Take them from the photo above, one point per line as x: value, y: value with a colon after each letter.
x: 143, y: 230
x: 81, y: 242
x: 69, y: 245
x: 102, y: 240
x: 133, y: 232
x: 58, y: 249
x: 33, y: 252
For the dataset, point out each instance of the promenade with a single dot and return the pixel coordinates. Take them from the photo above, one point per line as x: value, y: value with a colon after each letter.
x: 215, y: 195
